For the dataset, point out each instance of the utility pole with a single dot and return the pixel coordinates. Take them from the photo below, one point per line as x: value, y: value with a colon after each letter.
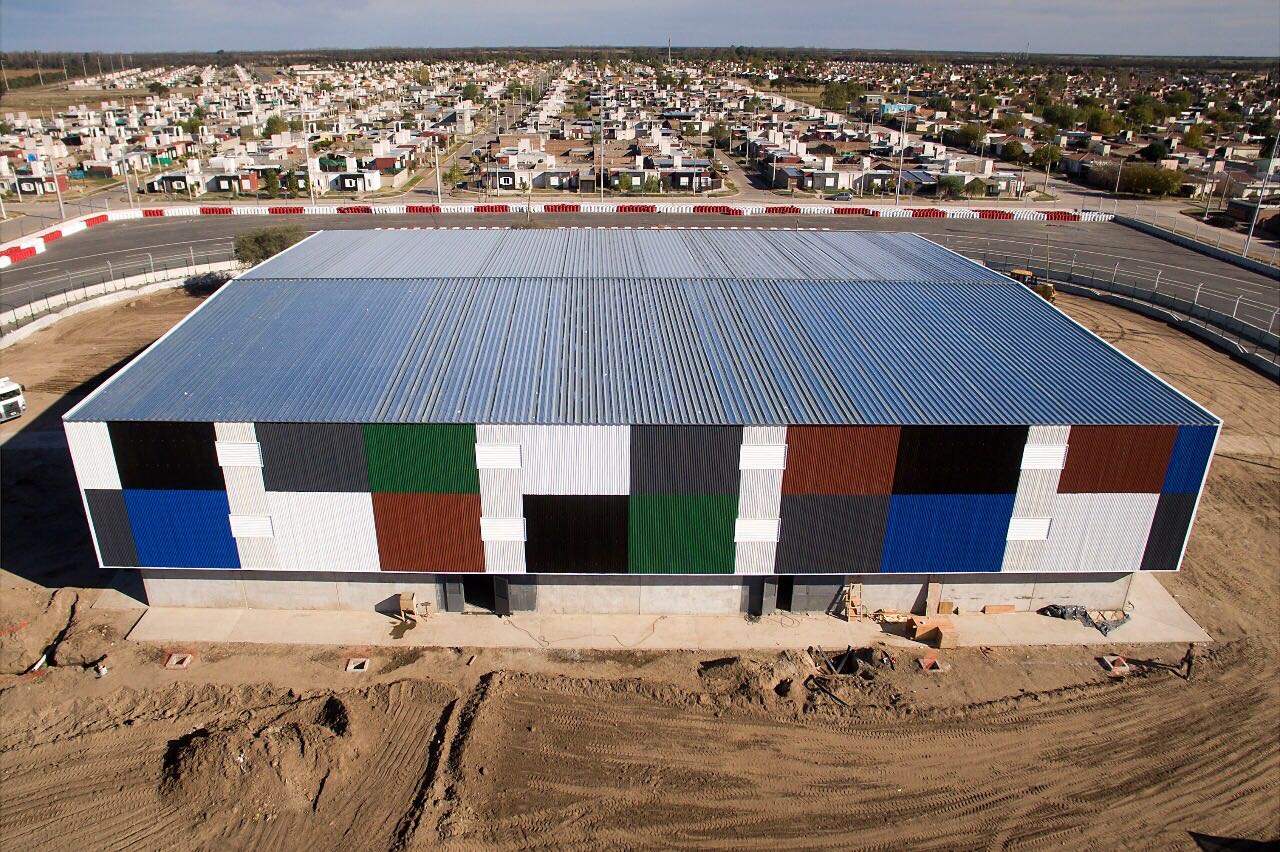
x: 436, y: 151
x: 4, y: 76
x: 1119, y: 172
x: 62, y: 212
x: 1262, y: 194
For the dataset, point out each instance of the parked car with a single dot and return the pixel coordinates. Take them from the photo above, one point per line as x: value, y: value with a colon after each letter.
x: 842, y: 196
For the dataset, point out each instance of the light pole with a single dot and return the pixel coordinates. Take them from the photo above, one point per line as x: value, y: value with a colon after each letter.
x: 62, y: 212
x: 1262, y: 194
x: 1119, y: 172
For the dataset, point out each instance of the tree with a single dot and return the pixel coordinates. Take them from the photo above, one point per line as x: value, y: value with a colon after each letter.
x: 581, y: 110
x: 253, y: 247
x: 1179, y: 100
x: 271, y: 181
x: 158, y: 88
x: 275, y: 125
x: 424, y: 78
x: 1046, y: 155
x: 970, y: 134
x: 1155, y: 152
x: 1013, y: 152
x: 471, y: 92
x: 652, y: 186
x: 624, y: 183
x: 1044, y: 132
x: 295, y: 125
x: 951, y: 186
x: 192, y: 126
x: 942, y: 103
x: 986, y: 102
x: 246, y: 133
x: 719, y: 134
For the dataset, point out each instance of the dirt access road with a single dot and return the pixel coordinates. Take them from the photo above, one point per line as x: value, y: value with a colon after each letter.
x: 274, y: 747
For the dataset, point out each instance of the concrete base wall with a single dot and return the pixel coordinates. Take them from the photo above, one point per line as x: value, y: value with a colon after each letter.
x: 657, y: 595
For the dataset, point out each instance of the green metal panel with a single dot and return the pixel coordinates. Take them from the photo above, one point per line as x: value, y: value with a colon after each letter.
x: 681, y: 534
x: 421, y: 458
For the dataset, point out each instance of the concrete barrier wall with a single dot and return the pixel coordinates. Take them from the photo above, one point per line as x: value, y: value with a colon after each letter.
x: 1196, y: 245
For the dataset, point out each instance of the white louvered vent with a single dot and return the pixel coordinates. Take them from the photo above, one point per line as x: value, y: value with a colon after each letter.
x: 1028, y: 529
x: 239, y: 453
x: 498, y: 456
x: 756, y: 529
x: 1044, y: 457
x: 502, y: 529
x: 763, y: 457
x: 251, y: 526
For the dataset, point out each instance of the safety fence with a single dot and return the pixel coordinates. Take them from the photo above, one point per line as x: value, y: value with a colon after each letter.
x: 34, y: 244
x: 53, y: 294
x: 1249, y: 321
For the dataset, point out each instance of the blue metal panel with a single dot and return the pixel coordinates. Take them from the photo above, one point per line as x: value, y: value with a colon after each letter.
x: 768, y: 328
x: 946, y: 533
x: 1191, y: 451
x: 181, y: 529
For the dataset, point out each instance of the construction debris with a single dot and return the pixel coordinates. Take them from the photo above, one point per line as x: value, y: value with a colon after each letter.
x: 1104, y: 621
x: 1116, y: 664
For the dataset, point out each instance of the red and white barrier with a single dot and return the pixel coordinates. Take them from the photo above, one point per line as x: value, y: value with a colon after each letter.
x: 29, y: 246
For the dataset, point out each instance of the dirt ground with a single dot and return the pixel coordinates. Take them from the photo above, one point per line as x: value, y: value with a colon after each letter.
x: 276, y: 747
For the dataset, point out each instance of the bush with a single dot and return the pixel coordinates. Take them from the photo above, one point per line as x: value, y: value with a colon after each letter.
x: 206, y: 283
x: 253, y: 247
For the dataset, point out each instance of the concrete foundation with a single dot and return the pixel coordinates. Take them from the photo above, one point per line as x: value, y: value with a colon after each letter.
x: 633, y: 595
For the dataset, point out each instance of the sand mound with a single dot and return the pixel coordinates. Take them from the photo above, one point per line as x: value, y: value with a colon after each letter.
x: 279, y: 766
x: 755, y: 682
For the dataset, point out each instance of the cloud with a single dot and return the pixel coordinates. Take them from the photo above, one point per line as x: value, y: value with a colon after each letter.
x: 1196, y: 27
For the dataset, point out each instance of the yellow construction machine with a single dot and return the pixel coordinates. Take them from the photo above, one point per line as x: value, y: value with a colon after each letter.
x: 1043, y: 289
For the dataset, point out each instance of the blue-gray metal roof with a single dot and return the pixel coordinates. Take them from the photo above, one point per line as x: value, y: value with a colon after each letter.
x: 632, y: 326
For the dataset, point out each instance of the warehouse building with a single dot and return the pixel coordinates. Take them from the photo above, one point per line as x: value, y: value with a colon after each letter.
x: 635, y: 420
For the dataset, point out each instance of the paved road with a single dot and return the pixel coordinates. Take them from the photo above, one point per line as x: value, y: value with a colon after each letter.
x: 131, y: 247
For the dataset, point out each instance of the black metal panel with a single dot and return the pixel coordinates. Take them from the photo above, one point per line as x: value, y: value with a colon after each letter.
x: 959, y: 459
x: 685, y: 459
x: 827, y: 533
x: 1169, y: 530
x: 501, y: 596
x: 576, y: 534
x: 761, y: 595
x: 313, y: 457
x: 167, y: 456
x: 111, y: 527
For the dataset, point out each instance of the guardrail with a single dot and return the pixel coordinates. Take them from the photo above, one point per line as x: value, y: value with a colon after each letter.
x: 1196, y: 233
x: 1250, y: 324
x: 110, y: 278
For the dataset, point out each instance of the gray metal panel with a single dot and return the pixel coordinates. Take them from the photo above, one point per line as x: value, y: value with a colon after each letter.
x: 522, y: 592
x: 825, y: 533
x: 1048, y: 435
x: 569, y: 460
x: 685, y: 459
x: 313, y: 457
x: 754, y: 557
x: 764, y: 435
x: 235, y: 432
x: 768, y: 332
x: 246, y: 493
x: 1036, y: 491
x: 111, y: 527
x: 815, y: 594
x: 1098, y: 532
x: 92, y: 455
x: 504, y: 557
x: 257, y: 552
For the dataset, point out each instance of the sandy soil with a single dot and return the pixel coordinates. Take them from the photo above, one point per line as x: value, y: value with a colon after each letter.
x: 275, y: 747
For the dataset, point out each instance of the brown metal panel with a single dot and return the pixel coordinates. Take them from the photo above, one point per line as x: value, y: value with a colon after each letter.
x: 840, y: 459
x: 428, y: 532
x: 1117, y: 459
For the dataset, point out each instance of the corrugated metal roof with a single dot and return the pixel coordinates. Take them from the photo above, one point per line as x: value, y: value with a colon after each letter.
x: 632, y: 326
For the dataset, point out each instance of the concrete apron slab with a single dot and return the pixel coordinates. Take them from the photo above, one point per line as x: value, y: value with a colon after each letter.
x: 1157, y: 618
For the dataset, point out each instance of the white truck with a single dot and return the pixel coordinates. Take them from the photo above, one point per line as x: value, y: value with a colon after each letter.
x: 12, y: 402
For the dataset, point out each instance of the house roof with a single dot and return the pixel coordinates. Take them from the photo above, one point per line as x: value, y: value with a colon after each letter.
x: 615, y: 326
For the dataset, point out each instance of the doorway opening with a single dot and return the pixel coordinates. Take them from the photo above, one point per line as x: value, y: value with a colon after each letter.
x: 786, y: 586
x: 477, y: 594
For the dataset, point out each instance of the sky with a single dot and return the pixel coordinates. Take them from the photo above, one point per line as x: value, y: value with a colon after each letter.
x: 1179, y: 27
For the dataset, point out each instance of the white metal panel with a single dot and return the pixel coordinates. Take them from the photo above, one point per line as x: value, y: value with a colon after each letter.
x: 504, y: 557
x: 239, y: 453
x: 760, y: 494
x: 497, y: 434
x: 755, y: 529
x: 251, y: 526
x: 92, y: 455
x: 753, y: 558
x: 764, y: 434
x: 257, y: 552
x: 1044, y: 456
x: 1057, y: 435
x: 498, y: 456
x: 502, y: 529
x: 324, y: 531
x: 1028, y: 529
x: 235, y: 432
x: 500, y: 495
x: 763, y: 457
x: 575, y: 459
x: 1020, y: 556
x: 1036, y: 490
x: 246, y: 493
x: 1098, y: 532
